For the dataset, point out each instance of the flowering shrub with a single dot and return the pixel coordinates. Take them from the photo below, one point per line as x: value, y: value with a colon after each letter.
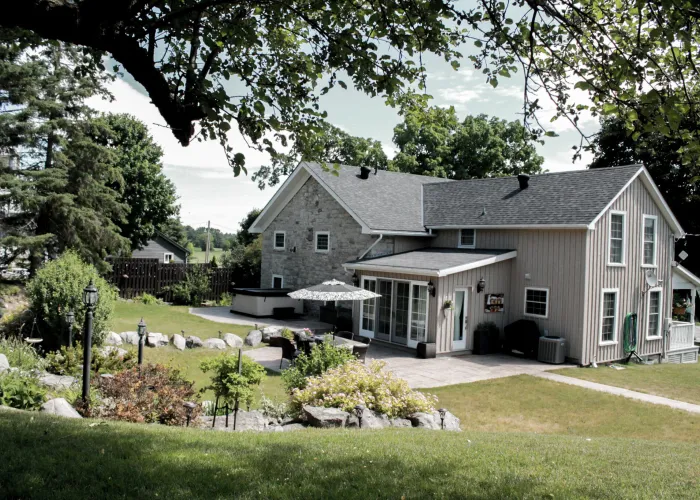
x: 323, y: 357
x: 155, y: 395
x: 354, y: 383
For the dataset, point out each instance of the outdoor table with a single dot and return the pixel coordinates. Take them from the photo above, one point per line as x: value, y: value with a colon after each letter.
x: 347, y: 343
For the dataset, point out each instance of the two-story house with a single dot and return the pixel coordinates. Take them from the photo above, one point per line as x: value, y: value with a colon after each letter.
x: 574, y: 251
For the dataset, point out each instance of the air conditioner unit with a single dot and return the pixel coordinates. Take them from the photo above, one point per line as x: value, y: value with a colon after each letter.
x: 552, y: 350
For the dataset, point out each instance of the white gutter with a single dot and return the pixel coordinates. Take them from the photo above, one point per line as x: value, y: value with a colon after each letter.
x: 370, y: 247
x: 399, y: 233
x: 514, y: 226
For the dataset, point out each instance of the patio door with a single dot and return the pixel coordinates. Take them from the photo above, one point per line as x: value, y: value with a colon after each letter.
x: 419, y: 315
x: 384, y: 303
x: 401, y: 312
x: 460, y: 318
x: 368, y: 309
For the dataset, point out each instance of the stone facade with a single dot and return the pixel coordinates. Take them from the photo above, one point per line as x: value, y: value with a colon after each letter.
x: 314, y: 209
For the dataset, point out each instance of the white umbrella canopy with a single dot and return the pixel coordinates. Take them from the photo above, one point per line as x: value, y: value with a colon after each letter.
x: 333, y: 290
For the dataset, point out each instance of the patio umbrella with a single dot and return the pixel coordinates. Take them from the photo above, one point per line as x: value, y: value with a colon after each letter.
x: 330, y: 291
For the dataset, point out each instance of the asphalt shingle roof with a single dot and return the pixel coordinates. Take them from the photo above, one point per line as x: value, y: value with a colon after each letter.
x: 389, y: 201
x: 431, y: 260
x: 555, y: 198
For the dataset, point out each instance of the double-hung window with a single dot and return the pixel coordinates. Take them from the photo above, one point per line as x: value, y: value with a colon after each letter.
x: 322, y: 241
x: 654, y: 314
x: 467, y: 238
x: 616, y: 241
x: 280, y: 240
x: 537, y: 302
x: 649, y: 241
x: 608, y: 322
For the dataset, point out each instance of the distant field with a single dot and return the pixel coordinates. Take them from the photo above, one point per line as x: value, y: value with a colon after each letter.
x: 198, y: 256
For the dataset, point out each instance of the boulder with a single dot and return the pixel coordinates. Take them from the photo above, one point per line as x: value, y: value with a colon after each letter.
x: 451, y: 422
x: 4, y: 363
x: 400, y: 422
x: 233, y: 340
x: 193, y: 342
x: 155, y: 339
x: 245, y: 421
x: 60, y: 407
x: 274, y: 428
x: 424, y: 421
x: 57, y: 382
x: 294, y: 426
x: 179, y: 341
x: 108, y: 349
x: 370, y: 420
x: 215, y: 344
x: 113, y: 338
x: 253, y: 338
x: 130, y: 337
x: 269, y: 331
x: 325, y: 417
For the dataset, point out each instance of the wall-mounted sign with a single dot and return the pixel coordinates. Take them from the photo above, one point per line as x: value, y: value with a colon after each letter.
x: 494, y: 302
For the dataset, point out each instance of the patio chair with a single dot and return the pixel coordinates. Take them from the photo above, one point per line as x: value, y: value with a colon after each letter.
x: 363, y: 339
x: 360, y: 352
x: 344, y: 335
x: 289, y: 351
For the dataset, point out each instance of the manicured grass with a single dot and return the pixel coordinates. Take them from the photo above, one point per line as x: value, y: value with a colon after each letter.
x: 529, y: 404
x: 46, y: 457
x: 199, y: 255
x: 675, y: 381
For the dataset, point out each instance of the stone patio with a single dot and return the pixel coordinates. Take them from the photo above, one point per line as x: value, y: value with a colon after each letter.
x: 425, y: 373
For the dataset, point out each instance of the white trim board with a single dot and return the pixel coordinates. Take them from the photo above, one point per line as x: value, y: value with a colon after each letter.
x: 432, y: 272
x: 513, y: 226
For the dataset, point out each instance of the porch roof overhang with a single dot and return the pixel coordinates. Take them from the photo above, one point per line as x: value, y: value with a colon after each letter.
x: 687, y: 279
x: 432, y: 261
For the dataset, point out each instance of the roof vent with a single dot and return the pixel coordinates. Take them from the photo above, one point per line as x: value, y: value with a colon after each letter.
x: 364, y: 172
x: 523, y: 180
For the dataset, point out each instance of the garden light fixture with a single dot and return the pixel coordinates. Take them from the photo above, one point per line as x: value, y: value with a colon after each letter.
x: 442, y: 412
x: 70, y: 320
x: 359, y: 411
x: 90, y: 298
x: 141, y: 330
x: 189, y: 406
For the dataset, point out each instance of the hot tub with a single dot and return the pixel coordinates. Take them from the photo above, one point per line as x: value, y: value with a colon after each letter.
x: 260, y: 302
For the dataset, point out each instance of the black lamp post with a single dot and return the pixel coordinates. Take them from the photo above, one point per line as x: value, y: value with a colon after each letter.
x: 189, y: 406
x: 359, y: 411
x: 90, y: 297
x: 141, y: 330
x: 442, y: 412
x: 70, y: 319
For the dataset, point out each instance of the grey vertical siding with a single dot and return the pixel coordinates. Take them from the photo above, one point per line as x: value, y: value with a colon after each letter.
x: 637, y: 202
x: 155, y: 249
x: 408, y: 243
x: 497, y: 278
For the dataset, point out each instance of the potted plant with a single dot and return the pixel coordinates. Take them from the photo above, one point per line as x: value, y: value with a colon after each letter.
x: 448, y: 305
x: 680, y: 304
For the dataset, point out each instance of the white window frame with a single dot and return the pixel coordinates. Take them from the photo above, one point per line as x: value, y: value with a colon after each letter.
x: 459, y: 238
x: 539, y: 289
x: 165, y: 257
x: 616, y: 291
x: 281, y: 280
x: 656, y: 238
x: 624, y: 238
x: 274, y: 240
x: 368, y: 333
x: 661, y: 315
x: 327, y: 233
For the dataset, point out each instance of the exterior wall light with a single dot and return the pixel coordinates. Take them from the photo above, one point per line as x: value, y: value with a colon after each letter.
x: 355, y: 279
x: 480, y: 285
x: 431, y: 288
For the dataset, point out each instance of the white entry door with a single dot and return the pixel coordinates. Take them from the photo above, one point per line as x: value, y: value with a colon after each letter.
x: 461, y: 320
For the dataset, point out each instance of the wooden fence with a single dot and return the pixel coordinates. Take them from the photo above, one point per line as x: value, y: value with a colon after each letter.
x: 135, y: 277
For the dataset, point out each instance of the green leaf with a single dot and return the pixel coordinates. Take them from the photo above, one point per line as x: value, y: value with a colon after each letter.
x: 342, y: 84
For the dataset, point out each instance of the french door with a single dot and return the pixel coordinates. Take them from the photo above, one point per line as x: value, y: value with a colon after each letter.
x: 461, y: 323
x: 401, y: 311
x: 384, y: 307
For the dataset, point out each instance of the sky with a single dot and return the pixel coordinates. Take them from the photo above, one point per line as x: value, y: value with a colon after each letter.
x: 209, y: 191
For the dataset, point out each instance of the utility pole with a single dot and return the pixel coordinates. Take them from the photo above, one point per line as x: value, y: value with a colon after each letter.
x: 206, y: 254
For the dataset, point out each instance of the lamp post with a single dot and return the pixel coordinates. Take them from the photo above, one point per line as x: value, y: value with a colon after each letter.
x: 70, y: 319
x: 359, y: 410
x: 442, y: 412
x: 90, y: 297
x: 189, y: 406
x: 141, y: 330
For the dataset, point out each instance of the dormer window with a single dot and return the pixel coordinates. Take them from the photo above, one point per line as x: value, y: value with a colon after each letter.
x: 467, y: 238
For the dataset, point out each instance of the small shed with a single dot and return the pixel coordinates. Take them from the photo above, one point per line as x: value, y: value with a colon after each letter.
x: 163, y: 248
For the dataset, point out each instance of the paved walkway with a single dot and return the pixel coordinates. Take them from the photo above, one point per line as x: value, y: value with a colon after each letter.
x: 224, y: 315
x: 619, y: 391
x: 426, y: 373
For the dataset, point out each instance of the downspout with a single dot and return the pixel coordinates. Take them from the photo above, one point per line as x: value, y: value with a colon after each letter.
x: 371, y: 247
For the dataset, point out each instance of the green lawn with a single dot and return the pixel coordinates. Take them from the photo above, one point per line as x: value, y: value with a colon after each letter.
x: 198, y: 256
x: 529, y: 404
x: 45, y: 457
x: 173, y: 319
x: 675, y: 381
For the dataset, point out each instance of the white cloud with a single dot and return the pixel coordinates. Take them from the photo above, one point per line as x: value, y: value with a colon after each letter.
x: 561, y: 161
